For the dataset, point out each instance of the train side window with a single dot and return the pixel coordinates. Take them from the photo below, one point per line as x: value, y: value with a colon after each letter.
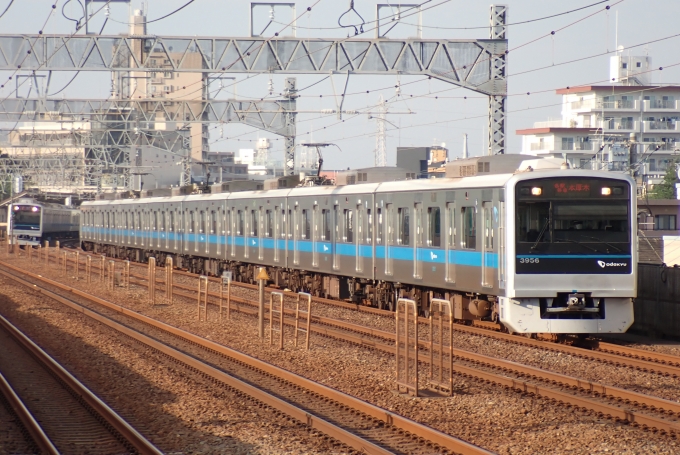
x: 369, y: 230
x: 172, y: 221
x: 379, y: 223
x: 404, y: 226
x: 469, y: 228
x: 452, y: 227
x: 433, y: 227
x: 290, y: 224
x: 163, y: 221
x: 154, y: 227
x: 348, y: 234
x: 282, y: 228
x: 305, y: 224
x: 268, y: 225
x: 239, y: 221
x: 253, y: 223
x: 192, y: 221
x: 325, y: 224
x: 213, y: 222
x: 202, y: 221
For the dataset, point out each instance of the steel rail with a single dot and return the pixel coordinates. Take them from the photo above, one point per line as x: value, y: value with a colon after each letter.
x: 607, y: 352
x: 41, y: 440
x: 614, y: 354
x: 434, y: 436
x: 610, y: 392
x: 514, y: 367
x: 132, y: 436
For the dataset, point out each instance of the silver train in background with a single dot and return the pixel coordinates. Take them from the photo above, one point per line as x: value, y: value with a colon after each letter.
x: 31, y: 222
x: 509, y: 239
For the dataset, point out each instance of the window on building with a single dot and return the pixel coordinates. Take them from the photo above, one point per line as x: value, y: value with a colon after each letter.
x: 665, y: 222
x: 567, y: 143
x: 433, y: 227
x: 469, y: 228
x: 404, y: 234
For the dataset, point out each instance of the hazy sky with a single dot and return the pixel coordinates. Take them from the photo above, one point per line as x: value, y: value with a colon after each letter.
x: 436, y: 120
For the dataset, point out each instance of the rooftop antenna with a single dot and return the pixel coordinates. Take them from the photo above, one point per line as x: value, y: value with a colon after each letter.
x: 465, y: 146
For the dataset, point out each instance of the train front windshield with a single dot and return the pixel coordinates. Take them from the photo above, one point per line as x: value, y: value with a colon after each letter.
x: 26, y: 217
x: 572, y: 225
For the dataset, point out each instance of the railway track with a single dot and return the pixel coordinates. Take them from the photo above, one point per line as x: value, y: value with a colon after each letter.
x: 600, y: 351
x: 613, y: 402
x: 58, y: 413
x: 355, y: 423
x: 616, y: 403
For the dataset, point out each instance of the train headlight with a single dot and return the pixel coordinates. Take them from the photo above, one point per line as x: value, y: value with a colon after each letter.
x: 16, y: 207
x: 536, y: 191
x: 606, y: 191
x: 35, y: 209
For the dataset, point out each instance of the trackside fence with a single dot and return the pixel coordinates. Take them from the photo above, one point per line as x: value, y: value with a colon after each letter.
x: 657, y: 306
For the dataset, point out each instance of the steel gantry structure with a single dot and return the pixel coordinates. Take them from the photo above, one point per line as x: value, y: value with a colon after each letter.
x: 478, y: 65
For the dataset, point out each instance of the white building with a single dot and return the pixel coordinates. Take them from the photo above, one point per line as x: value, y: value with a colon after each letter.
x: 599, y: 122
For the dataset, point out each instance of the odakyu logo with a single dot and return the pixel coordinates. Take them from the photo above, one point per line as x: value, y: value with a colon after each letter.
x: 603, y: 264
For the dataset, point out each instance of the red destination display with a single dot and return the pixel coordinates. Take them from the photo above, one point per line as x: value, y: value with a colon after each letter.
x: 570, y: 188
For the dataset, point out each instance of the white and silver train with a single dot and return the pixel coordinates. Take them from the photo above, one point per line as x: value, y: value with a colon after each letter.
x: 537, y: 248
x: 31, y: 222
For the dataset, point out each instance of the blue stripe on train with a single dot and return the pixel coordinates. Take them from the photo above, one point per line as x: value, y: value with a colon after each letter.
x: 400, y: 253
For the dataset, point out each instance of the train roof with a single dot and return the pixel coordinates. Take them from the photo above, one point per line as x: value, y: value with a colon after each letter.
x: 446, y: 183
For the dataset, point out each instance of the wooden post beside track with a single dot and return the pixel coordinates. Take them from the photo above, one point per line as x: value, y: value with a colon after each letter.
x: 262, y: 279
x: 226, y: 282
x: 305, y: 314
x: 152, y: 280
x: 77, y: 254
x: 407, y: 365
x: 102, y: 268
x: 202, y: 296
x: 64, y: 259
x: 272, y: 314
x: 169, y: 266
x: 47, y: 252
x: 111, y: 281
x: 441, y: 370
x: 126, y: 275
x: 88, y: 269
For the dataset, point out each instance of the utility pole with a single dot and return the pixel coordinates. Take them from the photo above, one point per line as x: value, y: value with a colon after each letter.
x: 290, y: 94
x: 380, y: 137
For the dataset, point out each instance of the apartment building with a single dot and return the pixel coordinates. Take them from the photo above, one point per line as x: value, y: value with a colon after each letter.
x: 602, y: 124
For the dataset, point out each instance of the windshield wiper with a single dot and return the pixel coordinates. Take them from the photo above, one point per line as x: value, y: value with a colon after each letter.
x: 576, y: 242
x: 540, y: 235
x: 606, y: 243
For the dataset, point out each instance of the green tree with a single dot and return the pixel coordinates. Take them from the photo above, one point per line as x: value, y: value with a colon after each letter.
x: 666, y: 189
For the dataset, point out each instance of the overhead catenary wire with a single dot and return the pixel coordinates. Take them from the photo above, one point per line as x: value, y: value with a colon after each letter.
x: 6, y: 8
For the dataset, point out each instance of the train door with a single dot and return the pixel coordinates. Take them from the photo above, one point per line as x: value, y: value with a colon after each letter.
x: 389, y: 239
x: 278, y: 233
x: 336, y: 237
x: 206, y: 222
x: 259, y: 222
x: 359, y: 238
x: 418, y: 241
x: 487, y: 244
x: 501, y: 247
x: 315, y: 235
x: 450, y: 243
x: 296, y: 235
x: 245, y: 225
